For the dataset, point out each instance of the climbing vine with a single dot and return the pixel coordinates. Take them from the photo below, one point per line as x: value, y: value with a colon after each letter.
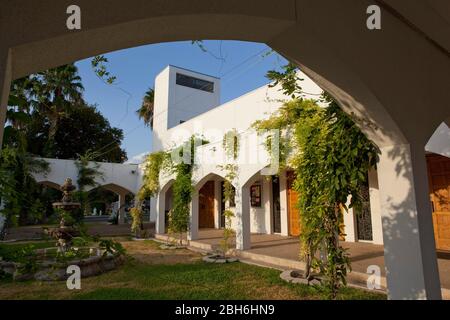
x: 137, y: 224
x: 330, y: 157
x: 230, y: 144
x: 228, y: 196
x: 154, y: 163
x: 182, y: 186
x: 98, y: 64
x: 231, y: 147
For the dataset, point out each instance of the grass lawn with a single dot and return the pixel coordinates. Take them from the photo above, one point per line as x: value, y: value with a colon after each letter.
x: 152, y: 273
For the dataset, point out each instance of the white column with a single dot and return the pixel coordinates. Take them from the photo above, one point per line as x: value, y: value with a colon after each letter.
x: 217, y: 203
x: 350, y: 225
x: 193, y: 218
x: 122, y: 208
x: 409, y: 246
x: 160, y: 213
x: 283, y: 205
x: 5, y: 82
x: 267, y: 204
x: 243, y: 240
x: 375, y: 209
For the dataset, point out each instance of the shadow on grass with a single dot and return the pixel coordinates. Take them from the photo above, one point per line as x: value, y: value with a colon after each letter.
x: 202, y: 281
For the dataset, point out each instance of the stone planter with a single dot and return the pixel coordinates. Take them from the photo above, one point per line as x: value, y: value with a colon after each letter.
x: 57, y: 271
x: 216, y: 258
x: 139, y: 239
x: 295, y: 276
x: 171, y: 247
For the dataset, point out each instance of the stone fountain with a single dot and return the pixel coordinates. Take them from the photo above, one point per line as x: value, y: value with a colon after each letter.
x: 64, y: 233
x: 91, y: 260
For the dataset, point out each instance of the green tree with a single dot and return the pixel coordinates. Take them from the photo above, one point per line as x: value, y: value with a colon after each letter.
x: 83, y: 128
x: 48, y: 117
x: 146, y: 110
x: 88, y: 172
x: 54, y: 93
x: 19, y: 189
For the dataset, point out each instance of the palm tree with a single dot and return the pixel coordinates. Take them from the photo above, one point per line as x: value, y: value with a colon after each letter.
x: 145, y: 112
x: 18, y: 112
x: 56, y: 91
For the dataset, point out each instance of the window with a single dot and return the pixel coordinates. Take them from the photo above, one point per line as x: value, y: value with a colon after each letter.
x: 191, y: 82
x: 255, y: 195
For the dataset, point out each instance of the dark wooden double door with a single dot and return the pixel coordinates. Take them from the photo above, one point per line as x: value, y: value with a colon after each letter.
x: 439, y: 180
x: 206, y: 206
x: 292, y: 205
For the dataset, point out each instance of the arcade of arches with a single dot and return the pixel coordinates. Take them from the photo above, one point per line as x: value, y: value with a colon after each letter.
x: 396, y: 78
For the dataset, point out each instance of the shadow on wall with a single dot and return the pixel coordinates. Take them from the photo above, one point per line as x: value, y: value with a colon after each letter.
x: 399, y: 227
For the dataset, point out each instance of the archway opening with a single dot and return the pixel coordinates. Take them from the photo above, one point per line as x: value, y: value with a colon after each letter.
x: 209, y: 193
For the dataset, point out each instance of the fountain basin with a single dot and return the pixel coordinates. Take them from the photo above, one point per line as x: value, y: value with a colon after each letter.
x: 67, y: 205
x: 52, y: 270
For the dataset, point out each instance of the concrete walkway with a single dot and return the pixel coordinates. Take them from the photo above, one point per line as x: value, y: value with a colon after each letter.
x: 103, y: 229
x: 283, y: 253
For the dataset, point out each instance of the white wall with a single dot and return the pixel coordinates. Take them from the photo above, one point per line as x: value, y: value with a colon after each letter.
x: 440, y: 141
x: 207, y: 118
x: 375, y: 208
x: 175, y: 103
x: 122, y: 175
x: 213, y: 123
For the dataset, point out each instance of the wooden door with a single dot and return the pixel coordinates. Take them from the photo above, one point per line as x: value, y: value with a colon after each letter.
x: 276, y: 207
x: 206, y: 206
x: 222, y: 204
x: 292, y: 204
x: 439, y: 179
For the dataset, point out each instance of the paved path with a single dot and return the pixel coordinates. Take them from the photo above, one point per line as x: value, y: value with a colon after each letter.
x: 103, y: 229
x: 362, y: 254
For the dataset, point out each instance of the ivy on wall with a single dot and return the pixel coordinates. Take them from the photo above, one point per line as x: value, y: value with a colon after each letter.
x: 230, y: 144
x: 154, y: 163
x: 137, y: 224
x: 330, y: 157
x: 182, y: 186
x: 231, y: 147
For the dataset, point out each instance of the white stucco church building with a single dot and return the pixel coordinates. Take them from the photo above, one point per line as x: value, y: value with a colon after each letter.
x: 188, y: 103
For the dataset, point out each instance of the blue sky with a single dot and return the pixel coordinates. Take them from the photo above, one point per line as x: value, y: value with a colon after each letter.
x: 241, y: 66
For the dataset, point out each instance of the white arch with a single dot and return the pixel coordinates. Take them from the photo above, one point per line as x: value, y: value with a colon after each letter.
x: 117, y: 189
x: 50, y: 184
x: 208, y: 176
x: 161, y: 206
x: 365, y: 78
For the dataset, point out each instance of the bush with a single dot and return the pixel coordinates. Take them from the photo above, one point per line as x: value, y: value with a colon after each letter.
x: 137, y: 224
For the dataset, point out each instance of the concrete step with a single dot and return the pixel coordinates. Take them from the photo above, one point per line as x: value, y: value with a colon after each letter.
x: 355, y: 279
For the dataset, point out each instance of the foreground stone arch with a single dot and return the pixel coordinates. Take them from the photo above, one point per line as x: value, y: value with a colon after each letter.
x: 394, y: 90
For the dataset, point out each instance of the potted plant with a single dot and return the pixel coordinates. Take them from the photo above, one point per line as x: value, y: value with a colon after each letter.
x: 221, y: 255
